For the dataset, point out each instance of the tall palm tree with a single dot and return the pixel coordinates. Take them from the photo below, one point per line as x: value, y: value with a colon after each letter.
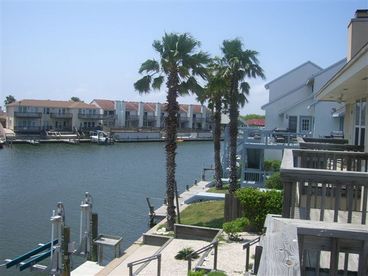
x: 179, y: 64
x: 215, y: 94
x: 240, y: 64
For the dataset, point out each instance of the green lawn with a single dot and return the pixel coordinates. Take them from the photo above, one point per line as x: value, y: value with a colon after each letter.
x: 224, y: 190
x: 208, y: 214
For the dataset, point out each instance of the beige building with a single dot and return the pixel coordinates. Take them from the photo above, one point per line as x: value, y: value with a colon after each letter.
x: 350, y: 84
x: 35, y: 116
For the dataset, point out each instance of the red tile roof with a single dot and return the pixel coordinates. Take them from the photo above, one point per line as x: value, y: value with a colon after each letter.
x: 105, y: 104
x: 255, y: 122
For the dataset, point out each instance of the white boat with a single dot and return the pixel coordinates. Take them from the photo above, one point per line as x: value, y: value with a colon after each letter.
x: 100, y: 137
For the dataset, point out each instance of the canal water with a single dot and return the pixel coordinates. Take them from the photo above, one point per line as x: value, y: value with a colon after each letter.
x: 119, y: 178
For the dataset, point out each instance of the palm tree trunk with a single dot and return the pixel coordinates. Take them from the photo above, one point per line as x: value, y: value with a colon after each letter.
x: 217, y: 145
x: 171, y: 125
x: 233, y: 129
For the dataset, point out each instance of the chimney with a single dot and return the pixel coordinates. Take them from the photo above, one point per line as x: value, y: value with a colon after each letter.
x: 357, y: 33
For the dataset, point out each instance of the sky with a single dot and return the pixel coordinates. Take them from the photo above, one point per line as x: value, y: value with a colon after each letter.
x: 92, y: 49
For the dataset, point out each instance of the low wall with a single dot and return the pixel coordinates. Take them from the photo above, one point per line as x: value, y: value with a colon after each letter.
x: 155, y: 240
x: 195, y: 232
x: 126, y: 136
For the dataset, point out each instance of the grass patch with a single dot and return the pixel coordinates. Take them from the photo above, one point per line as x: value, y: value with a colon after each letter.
x: 207, y: 214
x: 223, y: 190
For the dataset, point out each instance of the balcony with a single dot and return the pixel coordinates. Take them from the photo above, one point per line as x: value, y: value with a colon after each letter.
x: 149, y: 118
x: 27, y: 114
x: 132, y: 118
x: 323, y: 230
x: 325, y: 185
x: 61, y: 115
x: 336, y: 144
x: 91, y: 116
x: 184, y: 119
x: 27, y: 129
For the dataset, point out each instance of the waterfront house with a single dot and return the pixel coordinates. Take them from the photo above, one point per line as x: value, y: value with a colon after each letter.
x: 107, y: 109
x: 152, y: 115
x: 294, y: 107
x: 33, y: 116
x: 323, y: 229
x: 350, y: 84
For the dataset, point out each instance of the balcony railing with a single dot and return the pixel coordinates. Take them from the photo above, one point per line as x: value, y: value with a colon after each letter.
x: 132, y: 118
x: 149, y: 118
x: 61, y: 115
x: 183, y: 118
x: 325, y: 185
x: 91, y: 116
x: 334, y: 144
x: 28, y: 114
x: 27, y: 129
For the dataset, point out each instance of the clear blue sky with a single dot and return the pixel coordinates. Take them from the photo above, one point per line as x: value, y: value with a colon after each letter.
x: 93, y: 49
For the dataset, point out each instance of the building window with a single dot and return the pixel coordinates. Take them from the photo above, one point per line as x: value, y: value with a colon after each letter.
x: 293, y: 121
x: 360, y: 111
x: 305, y: 124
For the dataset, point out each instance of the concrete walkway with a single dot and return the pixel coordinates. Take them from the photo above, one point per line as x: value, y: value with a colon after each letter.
x: 201, y: 186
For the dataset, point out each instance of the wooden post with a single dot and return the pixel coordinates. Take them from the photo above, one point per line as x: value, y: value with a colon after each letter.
x: 189, y: 263
x: 257, y: 258
x: 66, y: 258
x: 93, y: 255
x: 215, y: 257
x: 158, y: 264
x: 287, y: 200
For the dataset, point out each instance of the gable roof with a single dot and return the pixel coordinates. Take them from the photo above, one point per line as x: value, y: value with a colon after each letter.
x: 52, y: 104
x: 105, y: 104
x: 291, y: 71
x: 283, y: 96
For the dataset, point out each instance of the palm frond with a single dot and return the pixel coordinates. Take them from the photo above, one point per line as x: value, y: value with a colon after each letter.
x: 157, y: 82
x: 143, y: 85
x: 150, y: 65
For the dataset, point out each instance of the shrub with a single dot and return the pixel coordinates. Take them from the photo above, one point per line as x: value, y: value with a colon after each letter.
x: 203, y: 273
x: 258, y: 204
x: 196, y: 273
x: 272, y: 165
x: 182, y: 254
x: 274, y: 181
x: 235, y: 226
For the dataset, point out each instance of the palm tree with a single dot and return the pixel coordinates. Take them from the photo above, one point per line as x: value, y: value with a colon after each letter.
x: 9, y: 99
x: 180, y: 62
x: 239, y: 64
x: 215, y: 93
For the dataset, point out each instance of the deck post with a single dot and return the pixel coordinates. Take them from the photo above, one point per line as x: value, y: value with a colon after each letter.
x: 215, y: 257
x: 93, y: 256
x: 287, y: 199
x: 66, y: 258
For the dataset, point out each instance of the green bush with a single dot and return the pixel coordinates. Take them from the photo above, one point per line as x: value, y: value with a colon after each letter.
x: 274, y: 181
x: 203, y: 273
x: 196, y: 273
x: 235, y: 226
x: 272, y: 165
x: 258, y: 204
x: 182, y: 254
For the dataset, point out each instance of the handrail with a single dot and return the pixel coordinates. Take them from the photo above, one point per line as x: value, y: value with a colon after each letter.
x: 145, y: 260
x: 247, y: 246
x: 201, y: 250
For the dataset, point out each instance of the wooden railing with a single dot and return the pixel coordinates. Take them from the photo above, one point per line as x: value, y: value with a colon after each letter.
x: 325, y: 185
x: 332, y: 144
x: 146, y: 260
x: 207, y: 248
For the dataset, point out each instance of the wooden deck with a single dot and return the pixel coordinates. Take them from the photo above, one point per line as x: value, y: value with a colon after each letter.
x: 304, y: 247
x: 323, y: 230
